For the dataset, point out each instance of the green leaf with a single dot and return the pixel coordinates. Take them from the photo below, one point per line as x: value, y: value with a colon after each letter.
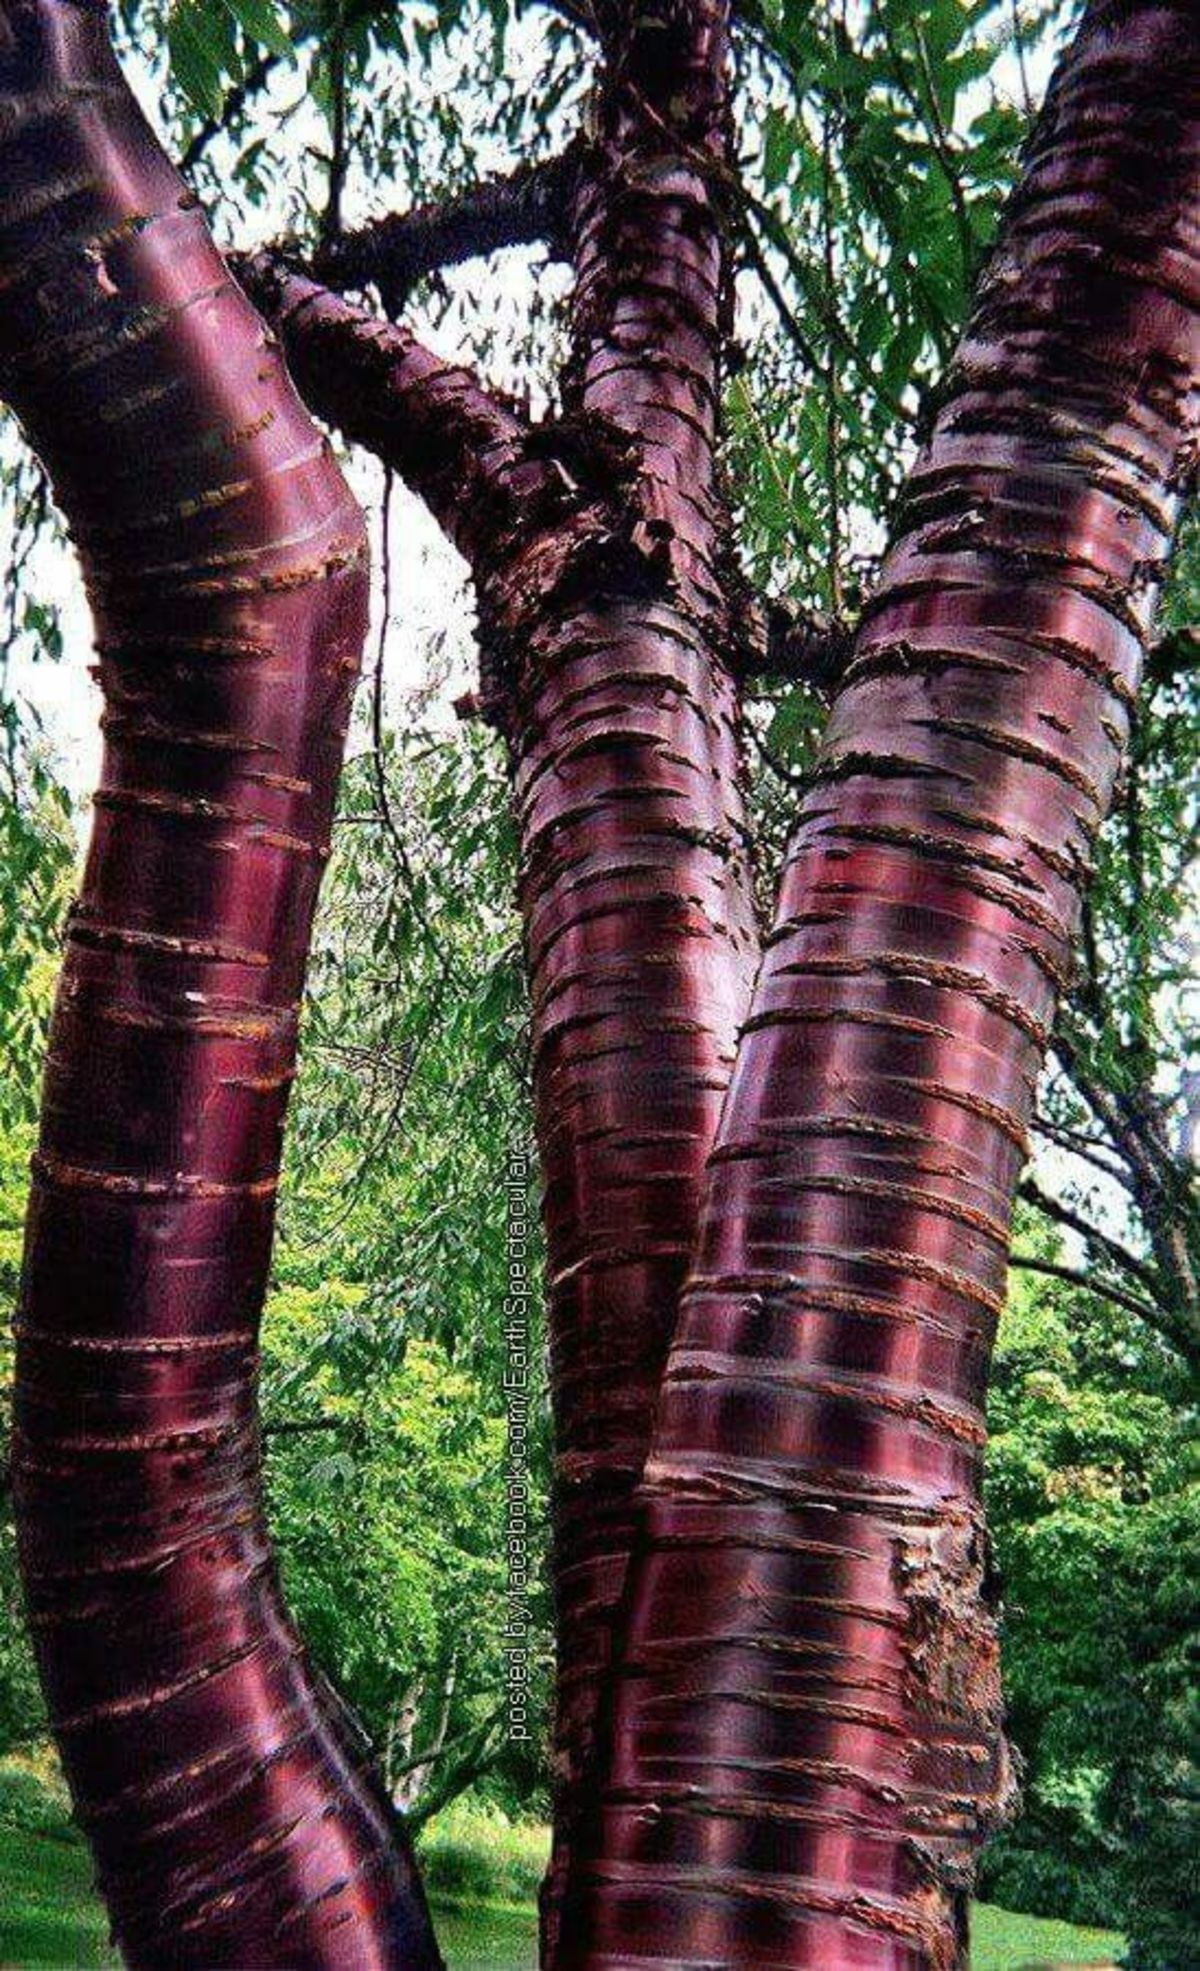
x: 779, y: 147
x: 263, y: 22
x: 197, y: 50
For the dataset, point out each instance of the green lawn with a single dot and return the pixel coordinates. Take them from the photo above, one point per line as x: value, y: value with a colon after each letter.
x: 1001, y: 1941
x: 49, y: 1917
x: 48, y: 1912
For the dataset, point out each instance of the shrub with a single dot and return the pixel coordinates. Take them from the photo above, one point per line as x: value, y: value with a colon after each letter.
x: 474, y: 1853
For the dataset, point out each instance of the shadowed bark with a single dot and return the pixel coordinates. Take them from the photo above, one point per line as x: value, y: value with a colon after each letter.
x: 806, y: 1746
x: 224, y: 1790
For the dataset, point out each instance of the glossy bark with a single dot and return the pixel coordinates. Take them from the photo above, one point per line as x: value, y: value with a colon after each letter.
x: 226, y: 1795
x: 806, y: 1744
x: 610, y: 626
x: 635, y: 885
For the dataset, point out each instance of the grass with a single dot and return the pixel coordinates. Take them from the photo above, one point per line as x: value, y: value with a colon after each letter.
x: 475, y: 1859
x: 49, y: 1915
x: 1001, y: 1941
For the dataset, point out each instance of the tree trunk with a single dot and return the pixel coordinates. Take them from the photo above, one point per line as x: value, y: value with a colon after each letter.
x: 609, y: 621
x: 635, y: 885
x: 805, y: 1747
x: 223, y: 1788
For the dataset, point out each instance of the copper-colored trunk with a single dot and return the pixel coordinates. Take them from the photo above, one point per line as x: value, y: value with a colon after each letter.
x: 635, y: 886
x: 598, y: 543
x: 224, y: 1791
x: 806, y: 1745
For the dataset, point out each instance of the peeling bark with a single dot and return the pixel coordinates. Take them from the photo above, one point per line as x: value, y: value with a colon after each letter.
x: 806, y: 1750
x: 806, y: 1743
x: 224, y: 1790
x: 635, y: 883
x: 611, y: 636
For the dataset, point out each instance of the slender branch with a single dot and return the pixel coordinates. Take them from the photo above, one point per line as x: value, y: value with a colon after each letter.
x: 481, y: 1750
x: 1189, y: 849
x: 1064, y: 1214
x: 757, y: 219
x: 432, y: 1754
x: 753, y: 248
x: 1176, y: 654
x: 924, y: 105
x: 794, y: 777
x: 259, y: 74
x: 31, y: 514
x: 833, y: 498
x: 1178, y: 1331
x: 804, y: 645
x: 1090, y: 1149
x: 1022, y: 64
x: 331, y: 226
x: 1091, y: 1283
x: 1128, y: 1123
x: 1090, y: 991
x: 442, y: 950
x: 526, y: 206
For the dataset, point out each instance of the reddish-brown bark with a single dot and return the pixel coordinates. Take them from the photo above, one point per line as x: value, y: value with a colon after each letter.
x: 225, y: 1792
x: 608, y: 632
x: 806, y: 1744
x: 635, y: 886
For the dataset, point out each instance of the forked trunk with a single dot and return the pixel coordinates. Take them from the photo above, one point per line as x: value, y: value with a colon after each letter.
x: 223, y: 1789
x: 806, y: 1745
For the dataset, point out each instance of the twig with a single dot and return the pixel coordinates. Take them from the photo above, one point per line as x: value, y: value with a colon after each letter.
x: 1064, y: 1214
x: 256, y: 78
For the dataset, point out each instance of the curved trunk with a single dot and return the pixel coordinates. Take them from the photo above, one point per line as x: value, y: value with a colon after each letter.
x: 807, y: 1747
x: 223, y: 1789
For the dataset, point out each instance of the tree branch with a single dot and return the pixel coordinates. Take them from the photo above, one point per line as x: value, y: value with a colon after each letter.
x: 757, y: 258
x: 1173, y: 655
x: 1091, y: 1149
x: 1063, y: 1214
x: 259, y: 73
x: 528, y: 205
x: 1074, y: 1276
x: 1129, y: 1125
x: 480, y: 1748
x: 1178, y: 1332
x: 756, y: 219
x: 335, y: 34
x: 456, y: 443
x: 786, y: 642
x: 256, y: 78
